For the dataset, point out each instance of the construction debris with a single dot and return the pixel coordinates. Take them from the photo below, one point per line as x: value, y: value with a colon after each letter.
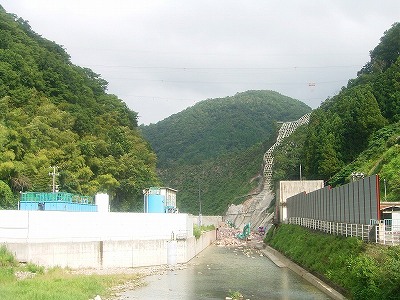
x: 227, y: 237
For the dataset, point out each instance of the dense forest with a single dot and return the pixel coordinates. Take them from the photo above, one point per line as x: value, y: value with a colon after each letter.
x: 53, y: 113
x: 212, y: 152
x: 357, y: 130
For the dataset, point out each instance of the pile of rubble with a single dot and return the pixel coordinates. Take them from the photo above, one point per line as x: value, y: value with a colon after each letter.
x: 227, y: 237
x: 22, y: 275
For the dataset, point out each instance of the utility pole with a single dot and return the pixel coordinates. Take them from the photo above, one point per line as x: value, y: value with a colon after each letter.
x: 54, y: 174
x: 200, y: 217
x: 384, y: 183
x: 300, y: 172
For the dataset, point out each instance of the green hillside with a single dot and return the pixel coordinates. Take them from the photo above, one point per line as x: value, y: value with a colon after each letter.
x: 356, y: 130
x: 212, y: 152
x: 220, y: 126
x: 53, y: 113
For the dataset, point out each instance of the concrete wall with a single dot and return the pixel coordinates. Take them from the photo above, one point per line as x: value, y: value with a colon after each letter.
x: 290, y: 188
x: 99, y: 240
x: 109, y: 254
x: 61, y: 226
x: 207, y: 220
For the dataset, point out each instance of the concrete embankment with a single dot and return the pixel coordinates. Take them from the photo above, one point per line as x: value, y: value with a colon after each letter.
x: 283, y: 262
x: 110, y: 254
x: 100, y: 240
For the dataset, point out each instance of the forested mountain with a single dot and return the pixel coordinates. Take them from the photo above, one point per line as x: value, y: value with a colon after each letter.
x: 212, y: 152
x: 220, y: 126
x: 53, y: 113
x: 356, y: 130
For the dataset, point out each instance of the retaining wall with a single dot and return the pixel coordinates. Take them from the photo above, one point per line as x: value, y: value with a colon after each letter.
x: 97, y: 240
x: 207, y: 220
x: 290, y: 188
x: 61, y: 226
x: 109, y: 254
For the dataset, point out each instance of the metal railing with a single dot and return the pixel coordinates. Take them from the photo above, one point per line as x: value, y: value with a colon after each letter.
x: 361, y: 231
x: 387, y: 232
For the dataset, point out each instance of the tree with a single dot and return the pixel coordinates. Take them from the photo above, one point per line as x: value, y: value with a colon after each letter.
x: 7, y: 199
x: 338, y: 132
x: 360, y: 115
x: 386, y: 88
x: 386, y: 53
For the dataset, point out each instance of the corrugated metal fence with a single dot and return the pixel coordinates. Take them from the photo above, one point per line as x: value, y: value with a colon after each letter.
x: 354, y: 203
x: 349, y: 210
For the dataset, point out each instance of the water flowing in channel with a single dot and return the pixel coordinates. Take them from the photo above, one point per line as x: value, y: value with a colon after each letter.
x: 218, y: 270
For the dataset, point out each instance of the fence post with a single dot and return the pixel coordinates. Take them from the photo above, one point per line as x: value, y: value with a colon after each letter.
x: 362, y: 231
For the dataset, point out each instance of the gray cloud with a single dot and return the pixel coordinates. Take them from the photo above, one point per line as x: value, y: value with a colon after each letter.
x: 163, y: 56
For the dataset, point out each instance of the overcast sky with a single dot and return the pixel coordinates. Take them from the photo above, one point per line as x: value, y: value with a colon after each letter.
x: 161, y: 57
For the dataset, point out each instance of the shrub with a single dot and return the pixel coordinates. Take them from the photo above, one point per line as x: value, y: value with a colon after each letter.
x: 198, y: 230
x: 6, y: 258
x: 35, y: 268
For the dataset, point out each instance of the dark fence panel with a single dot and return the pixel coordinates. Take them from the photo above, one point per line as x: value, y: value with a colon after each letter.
x: 356, y: 202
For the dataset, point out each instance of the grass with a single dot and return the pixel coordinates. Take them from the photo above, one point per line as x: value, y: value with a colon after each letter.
x: 6, y: 258
x: 235, y: 295
x: 198, y: 230
x: 55, y: 283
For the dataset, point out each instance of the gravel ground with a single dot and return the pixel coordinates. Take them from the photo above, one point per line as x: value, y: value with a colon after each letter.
x: 142, y: 272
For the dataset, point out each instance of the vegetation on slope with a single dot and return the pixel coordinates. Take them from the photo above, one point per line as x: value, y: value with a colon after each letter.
x: 354, y: 131
x: 340, y: 129
x: 53, y: 113
x: 381, y: 157
x: 212, y: 152
x: 217, y: 183
x: 364, y: 271
x: 220, y: 126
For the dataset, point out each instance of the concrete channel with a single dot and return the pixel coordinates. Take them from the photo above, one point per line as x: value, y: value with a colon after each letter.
x: 283, y: 262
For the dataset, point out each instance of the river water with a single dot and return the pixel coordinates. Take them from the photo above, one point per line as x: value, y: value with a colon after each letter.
x: 216, y: 271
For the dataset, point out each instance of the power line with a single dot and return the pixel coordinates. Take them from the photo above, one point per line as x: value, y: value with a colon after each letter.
x: 224, y: 68
x: 226, y: 82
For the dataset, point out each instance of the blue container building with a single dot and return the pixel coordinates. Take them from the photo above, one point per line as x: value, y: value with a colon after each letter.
x: 57, y: 201
x: 160, y: 200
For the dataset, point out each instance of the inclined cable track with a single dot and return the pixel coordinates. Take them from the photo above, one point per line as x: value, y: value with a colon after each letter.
x: 256, y: 212
x: 285, y: 131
